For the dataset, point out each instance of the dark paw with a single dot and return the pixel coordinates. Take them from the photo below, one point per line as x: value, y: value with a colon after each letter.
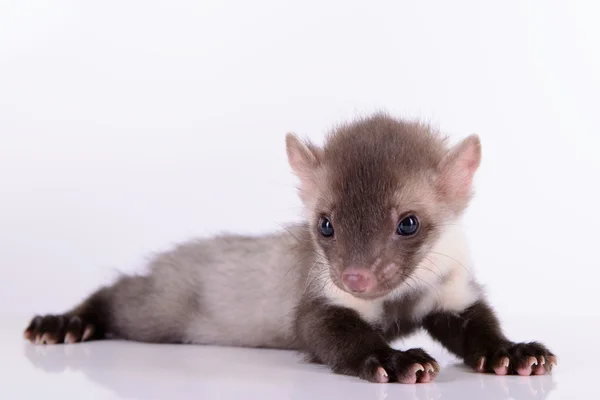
x: 51, y: 329
x: 411, y: 366
x: 516, y: 359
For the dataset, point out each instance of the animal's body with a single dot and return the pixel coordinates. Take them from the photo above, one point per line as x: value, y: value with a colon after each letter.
x: 382, y: 253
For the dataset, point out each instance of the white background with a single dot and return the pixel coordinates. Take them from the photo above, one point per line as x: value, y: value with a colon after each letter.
x: 127, y: 126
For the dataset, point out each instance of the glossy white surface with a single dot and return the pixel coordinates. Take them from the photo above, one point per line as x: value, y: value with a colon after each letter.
x: 122, y: 370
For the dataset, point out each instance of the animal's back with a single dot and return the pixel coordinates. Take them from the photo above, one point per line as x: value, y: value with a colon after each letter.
x: 229, y: 290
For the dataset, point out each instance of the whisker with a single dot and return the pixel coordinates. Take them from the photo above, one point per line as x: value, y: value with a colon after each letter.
x: 301, y: 241
x: 409, y: 285
x: 437, y: 292
x: 431, y: 261
x: 452, y: 258
x: 437, y: 275
x: 445, y: 224
x: 318, y: 276
x: 292, y: 267
x: 311, y: 268
x: 308, y: 281
x: 330, y: 283
x: 327, y: 282
x: 441, y: 275
x: 417, y: 281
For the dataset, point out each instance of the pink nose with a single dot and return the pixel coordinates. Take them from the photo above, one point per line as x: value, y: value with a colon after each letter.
x: 358, y: 280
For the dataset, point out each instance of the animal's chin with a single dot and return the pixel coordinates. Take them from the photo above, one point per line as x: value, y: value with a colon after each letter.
x: 381, y: 289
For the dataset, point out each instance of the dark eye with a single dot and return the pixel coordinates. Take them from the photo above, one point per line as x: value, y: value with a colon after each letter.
x: 408, y: 226
x: 325, y: 227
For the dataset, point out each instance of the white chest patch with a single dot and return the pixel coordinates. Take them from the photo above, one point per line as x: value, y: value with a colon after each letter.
x: 369, y: 310
x: 445, y: 275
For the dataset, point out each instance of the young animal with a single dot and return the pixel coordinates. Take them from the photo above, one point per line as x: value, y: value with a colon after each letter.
x: 380, y: 255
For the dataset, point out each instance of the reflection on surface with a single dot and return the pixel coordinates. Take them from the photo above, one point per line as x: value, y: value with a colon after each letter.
x: 153, y: 372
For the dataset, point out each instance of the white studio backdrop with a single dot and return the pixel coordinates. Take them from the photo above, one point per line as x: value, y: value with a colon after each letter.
x: 126, y: 127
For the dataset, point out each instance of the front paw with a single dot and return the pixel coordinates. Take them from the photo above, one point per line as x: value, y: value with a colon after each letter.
x: 411, y: 366
x: 515, y: 359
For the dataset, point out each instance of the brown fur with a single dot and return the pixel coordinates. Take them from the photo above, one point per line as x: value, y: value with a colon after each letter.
x: 369, y: 175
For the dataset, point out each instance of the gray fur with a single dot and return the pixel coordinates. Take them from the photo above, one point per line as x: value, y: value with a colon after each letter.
x: 229, y: 290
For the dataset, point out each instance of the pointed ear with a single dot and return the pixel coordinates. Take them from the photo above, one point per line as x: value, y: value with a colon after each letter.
x: 457, y: 169
x: 303, y: 158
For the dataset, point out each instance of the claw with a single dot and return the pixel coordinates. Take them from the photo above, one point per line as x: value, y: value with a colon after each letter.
x: 70, y: 338
x: 481, y: 364
x: 533, y: 361
x: 89, y: 331
x: 426, y: 376
x: 382, y: 376
x: 502, y: 369
x: 528, y: 368
x: 411, y: 375
x: 541, y: 368
x: 429, y: 368
x: 47, y: 339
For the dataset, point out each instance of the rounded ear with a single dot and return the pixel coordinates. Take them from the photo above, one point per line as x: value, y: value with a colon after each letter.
x: 458, y: 167
x: 300, y: 156
x: 303, y: 158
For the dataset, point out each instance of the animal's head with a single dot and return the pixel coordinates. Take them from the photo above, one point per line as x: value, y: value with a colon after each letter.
x: 378, y: 194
